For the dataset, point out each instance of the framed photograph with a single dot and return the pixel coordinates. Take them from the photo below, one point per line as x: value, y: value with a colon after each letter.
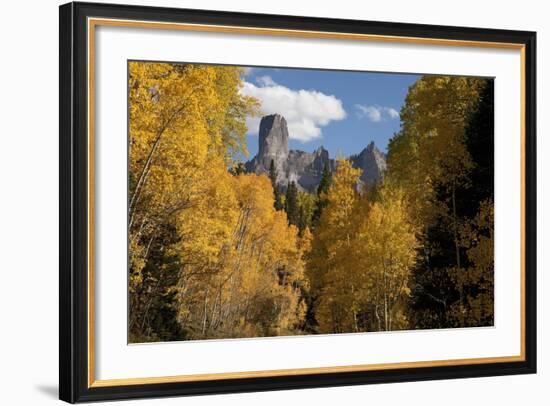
x: 257, y: 202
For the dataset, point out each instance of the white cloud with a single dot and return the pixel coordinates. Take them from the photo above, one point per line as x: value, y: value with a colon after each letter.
x: 305, y: 111
x: 265, y: 81
x: 393, y: 113
x: 376, y: 113
x: 371, y: 112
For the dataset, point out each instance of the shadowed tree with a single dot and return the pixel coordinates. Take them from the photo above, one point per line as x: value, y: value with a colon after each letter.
x: 278, y: 201
x: 291, y: 204
x: 322, y: 191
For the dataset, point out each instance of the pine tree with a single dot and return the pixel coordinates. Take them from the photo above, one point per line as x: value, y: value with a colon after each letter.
x: 278, y: 201
x: 291, y: 204
x: 324, y: 184
x: 322, y: 191
x: 479, y: 141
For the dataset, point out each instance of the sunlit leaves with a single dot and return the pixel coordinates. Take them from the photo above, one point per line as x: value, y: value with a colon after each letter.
x: 208, y: 243
x: 362, y: 255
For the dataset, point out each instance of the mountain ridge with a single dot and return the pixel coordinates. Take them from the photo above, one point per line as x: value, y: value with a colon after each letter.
x: 306, y: 168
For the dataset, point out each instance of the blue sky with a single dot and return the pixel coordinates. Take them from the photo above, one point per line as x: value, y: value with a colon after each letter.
x: 342, y: 111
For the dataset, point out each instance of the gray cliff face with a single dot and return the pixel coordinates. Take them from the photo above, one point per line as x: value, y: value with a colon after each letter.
x: 372, y: 162
x: 306, y: 168
x: 273, y: 145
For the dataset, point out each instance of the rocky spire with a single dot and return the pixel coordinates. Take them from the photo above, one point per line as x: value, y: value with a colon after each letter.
x: 273, y: 140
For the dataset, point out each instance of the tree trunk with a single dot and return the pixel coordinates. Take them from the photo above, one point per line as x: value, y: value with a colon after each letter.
x: 457, y: 252
x: 205, y: 313
x: 147, y: 165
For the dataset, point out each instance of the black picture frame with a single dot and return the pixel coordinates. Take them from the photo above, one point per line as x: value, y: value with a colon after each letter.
x: 73, y: 255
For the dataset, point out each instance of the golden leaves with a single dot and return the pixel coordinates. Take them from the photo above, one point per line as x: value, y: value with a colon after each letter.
x: 232, y: 258
x: 430, y: 151
x: 361, y: 257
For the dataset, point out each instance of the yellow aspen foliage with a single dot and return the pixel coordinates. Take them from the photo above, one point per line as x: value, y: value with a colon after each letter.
x: 430, y: 160
x: 384, y: 252
x: 205, y: 246
x: 477, y: 237
x: 241, y: 277
x: 429, y: 151
x: 335, y: 225
x: 330, y: 272
x: 361, y: 258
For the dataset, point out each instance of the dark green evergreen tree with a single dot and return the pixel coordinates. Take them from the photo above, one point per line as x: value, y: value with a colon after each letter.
x: 153, y: 308
x: 291, y: 204
x: 322, y: 190
x: 480, y: 143
x: 278, y: 201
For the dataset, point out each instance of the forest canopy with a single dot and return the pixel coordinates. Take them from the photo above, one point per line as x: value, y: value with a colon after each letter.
x: 218, y: 252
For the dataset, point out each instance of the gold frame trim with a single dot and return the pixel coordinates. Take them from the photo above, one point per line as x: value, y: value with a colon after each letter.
x: 94, y: 22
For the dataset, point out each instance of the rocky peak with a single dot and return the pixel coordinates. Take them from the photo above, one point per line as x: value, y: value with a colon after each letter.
x: 306, y: 168
x: 372, y: 162
x: 273, y: 140
x: 321, y: 152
